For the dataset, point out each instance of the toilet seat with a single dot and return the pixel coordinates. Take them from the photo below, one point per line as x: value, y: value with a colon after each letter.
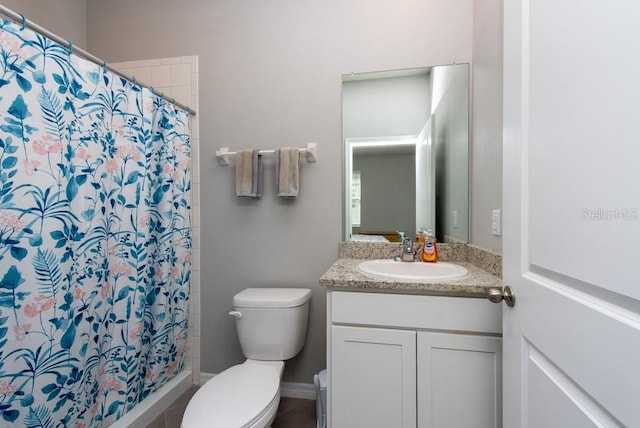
x: 243, y: 396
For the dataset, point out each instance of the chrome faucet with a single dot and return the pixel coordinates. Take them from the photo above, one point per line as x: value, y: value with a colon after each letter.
x: 407, y: 254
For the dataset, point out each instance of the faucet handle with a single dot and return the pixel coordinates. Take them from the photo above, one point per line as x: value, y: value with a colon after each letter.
x: 401, y: 235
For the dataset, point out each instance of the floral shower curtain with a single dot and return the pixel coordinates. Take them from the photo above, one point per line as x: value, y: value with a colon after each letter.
x: 95, y: 237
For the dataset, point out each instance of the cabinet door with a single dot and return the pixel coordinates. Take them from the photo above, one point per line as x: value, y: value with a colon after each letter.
x: 373, y: 373
x: 459, y: 381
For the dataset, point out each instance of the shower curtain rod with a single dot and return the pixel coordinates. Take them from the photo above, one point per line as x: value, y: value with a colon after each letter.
x: 20, y: 19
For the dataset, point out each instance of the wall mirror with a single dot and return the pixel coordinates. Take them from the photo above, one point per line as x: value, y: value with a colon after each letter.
x: 406, y: 144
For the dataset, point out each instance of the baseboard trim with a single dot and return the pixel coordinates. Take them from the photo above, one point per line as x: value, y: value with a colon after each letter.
x: 287, y: 389
x: 298, y: 390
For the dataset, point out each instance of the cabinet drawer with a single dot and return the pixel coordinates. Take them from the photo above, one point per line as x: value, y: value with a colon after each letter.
x: 415, y: 311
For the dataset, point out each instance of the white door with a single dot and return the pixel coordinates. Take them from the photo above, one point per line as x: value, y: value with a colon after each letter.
x: 459, y: 380
x: 571, y: 213
x: 373, y: 379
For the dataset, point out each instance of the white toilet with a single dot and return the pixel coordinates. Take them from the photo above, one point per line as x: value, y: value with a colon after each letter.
x: 272, y: 326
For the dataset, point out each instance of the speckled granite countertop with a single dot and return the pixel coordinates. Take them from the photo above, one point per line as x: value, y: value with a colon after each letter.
x: 342, y: 275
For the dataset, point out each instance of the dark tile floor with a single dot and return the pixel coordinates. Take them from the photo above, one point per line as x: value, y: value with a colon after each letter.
x: 295, y: 413
x: 292, y: 413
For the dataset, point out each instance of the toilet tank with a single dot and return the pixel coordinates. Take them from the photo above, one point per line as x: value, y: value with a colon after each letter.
x: 273, y: 322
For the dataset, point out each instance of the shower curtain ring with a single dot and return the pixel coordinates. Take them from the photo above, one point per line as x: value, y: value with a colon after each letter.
x: 70, y: 47
x: 153, y: 91
x: 24, y: 22
x: 173, y: 100
x: 135, y: 81
x: 104, y: 63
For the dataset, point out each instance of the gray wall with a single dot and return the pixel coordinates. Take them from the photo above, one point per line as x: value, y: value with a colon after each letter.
x: 65, y: 18
x: 271, y: 76
x: 486, y: 122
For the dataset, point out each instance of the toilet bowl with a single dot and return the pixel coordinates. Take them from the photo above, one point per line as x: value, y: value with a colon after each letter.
x: 271, y: 325
x: 243, y: 396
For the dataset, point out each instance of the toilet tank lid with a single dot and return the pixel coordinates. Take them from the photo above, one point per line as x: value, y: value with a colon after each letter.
x: 271, y: 297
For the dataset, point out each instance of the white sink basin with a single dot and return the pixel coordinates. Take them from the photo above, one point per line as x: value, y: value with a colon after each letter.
x: 412, y: 271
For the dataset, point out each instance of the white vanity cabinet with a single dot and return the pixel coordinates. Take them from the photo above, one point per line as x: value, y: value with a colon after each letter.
x: 398, y: 360
x: 459, y: 380
x: 373, y: 377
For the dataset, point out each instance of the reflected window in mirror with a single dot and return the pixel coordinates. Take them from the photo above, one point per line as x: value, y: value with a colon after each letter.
x: 355, y: 199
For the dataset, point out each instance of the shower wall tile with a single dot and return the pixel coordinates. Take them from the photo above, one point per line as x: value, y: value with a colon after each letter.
x: 195, y: 218
x: 193, y: 60
x: 196, y: 353
x: 152, y: 62
x: 195, y: 239
x: 196, y: 369
x: 181, y: 74
x: 196, y: 194
x: 195, y: 287
x: 170, y: 61
x: 194, y: 84
x: 195, y: 166
x: 164, y: 90
x: 177, y: 78
x: 195, y: 311
x: 126, y: 64
x: 195, y: 263
x: 182, y: 94
x: 195, y: 133
x: 196, y: 330
x: 188, y: 356
x: 143, y: 74
x: 161, y: 76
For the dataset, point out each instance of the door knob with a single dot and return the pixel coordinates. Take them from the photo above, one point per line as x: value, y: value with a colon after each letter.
x: 497, y: 295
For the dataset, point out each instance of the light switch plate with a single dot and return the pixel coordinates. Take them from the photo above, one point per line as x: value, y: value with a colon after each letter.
x: 495, y: 223
x: 455, y: 219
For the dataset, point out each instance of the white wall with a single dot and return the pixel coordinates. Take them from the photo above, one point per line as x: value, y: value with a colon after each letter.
x: 270, y: 75
x: 64, y: 18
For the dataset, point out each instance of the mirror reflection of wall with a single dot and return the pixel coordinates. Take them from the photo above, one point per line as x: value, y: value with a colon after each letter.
x: 410, y: 175
x: 387, y: 189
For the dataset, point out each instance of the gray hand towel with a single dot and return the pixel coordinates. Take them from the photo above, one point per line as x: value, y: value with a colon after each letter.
x: 249, y: 174
x: 288, y: 172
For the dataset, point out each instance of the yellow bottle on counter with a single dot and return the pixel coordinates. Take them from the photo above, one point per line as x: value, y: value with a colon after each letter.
x: 430, y: 249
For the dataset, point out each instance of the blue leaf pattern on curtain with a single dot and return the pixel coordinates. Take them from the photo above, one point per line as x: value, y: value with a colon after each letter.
x: 95, y: 237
